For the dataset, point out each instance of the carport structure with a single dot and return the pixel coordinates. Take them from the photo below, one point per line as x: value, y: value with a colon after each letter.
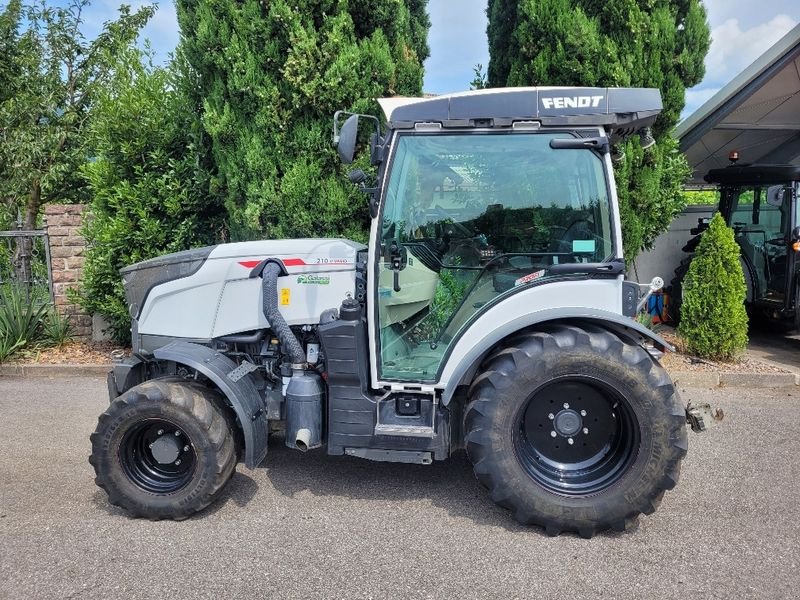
x: 756, y: 114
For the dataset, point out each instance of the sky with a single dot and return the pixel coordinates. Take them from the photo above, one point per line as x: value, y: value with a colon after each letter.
x: 741, y: 31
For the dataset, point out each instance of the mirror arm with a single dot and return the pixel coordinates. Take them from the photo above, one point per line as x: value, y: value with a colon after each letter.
x: 373, y: 201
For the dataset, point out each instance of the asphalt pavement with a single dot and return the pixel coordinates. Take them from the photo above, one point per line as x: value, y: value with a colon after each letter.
x: 313, y: 526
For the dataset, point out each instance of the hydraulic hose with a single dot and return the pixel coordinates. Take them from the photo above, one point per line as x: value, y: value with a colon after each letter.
x: 270, y: 270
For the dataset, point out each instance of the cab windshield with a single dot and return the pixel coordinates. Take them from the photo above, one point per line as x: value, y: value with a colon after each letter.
x: 468, y: 218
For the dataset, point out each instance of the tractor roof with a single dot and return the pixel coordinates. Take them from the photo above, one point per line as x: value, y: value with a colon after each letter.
x: 623, y: 109
x: 754, y: 174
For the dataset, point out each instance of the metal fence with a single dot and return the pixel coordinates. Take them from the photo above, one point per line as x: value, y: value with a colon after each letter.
x: 25, y: 261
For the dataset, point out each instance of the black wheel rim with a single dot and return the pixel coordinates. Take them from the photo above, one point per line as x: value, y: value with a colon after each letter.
x: 576, y: 436
x: 157, y: 456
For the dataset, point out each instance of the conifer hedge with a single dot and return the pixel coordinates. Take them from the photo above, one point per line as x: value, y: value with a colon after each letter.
x: 713, y: 317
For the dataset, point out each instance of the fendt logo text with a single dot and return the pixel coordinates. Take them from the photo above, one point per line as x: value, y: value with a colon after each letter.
x: 572, y: 102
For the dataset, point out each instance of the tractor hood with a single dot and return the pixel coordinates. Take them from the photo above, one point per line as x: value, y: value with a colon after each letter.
x: 138, y: 279
x: 208, y: 292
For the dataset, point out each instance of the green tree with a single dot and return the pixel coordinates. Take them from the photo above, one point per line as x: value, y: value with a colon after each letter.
x: 710, y: 197
x: 148, y: 181
x: 269, y: 76
x: 713, y: 317
x: 50, y: 76
x: 661, y: 43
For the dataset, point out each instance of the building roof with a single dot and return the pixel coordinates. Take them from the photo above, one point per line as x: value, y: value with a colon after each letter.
x: 757, y: 114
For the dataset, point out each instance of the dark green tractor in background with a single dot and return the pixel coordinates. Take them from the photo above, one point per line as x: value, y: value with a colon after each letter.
x: 760, y: 203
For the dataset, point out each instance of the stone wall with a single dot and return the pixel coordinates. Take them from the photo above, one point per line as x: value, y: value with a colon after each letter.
x: 67, y: 247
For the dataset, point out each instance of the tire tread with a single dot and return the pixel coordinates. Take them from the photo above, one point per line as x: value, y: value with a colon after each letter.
x: 484, y: 392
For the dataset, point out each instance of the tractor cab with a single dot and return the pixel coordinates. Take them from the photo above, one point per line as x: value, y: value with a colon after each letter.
x: 759, y: 202
x: 480, y: 196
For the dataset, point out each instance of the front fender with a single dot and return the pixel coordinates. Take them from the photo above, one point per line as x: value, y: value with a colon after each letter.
x: 462, y: 364
x: 241, y: 393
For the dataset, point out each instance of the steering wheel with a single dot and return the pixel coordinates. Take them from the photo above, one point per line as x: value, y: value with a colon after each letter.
x: 777, y: 242
x: 564, y: 236
x: 443, y: 214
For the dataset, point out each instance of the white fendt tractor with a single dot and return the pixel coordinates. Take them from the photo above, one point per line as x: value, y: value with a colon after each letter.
x: 489, y: 312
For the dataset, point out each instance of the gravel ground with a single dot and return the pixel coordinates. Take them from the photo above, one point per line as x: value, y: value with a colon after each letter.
x: 73, y: 353
x: 674, y: 362
x: 749, y: 363
x: 314, y: 526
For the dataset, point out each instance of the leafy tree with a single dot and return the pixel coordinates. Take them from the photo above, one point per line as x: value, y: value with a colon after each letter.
x: 269, y: 76
x: 149, y: 183
x: 710, y: 197
x: 49, y: 78
x: 661, y: 43
x: 713, y: 317
x: 479, y: 81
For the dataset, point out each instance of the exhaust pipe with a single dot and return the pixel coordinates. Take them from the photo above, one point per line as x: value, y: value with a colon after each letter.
x: 305, y: 391
x: 304, y: 411
x: 303, y: 439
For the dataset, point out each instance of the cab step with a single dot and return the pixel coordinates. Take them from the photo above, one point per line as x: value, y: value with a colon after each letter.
x: 405, y: 430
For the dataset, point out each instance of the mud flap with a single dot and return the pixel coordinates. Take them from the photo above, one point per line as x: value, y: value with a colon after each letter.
x: 240, y: 392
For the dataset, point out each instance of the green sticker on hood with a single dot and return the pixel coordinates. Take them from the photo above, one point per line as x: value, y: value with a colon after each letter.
x: 314, y: 279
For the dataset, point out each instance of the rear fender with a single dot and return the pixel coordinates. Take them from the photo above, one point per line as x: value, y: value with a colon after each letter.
x: 624, y: 327
x: 241, y: 393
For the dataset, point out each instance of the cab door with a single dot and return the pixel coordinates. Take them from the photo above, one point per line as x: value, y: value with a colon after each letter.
x: 762, y: 221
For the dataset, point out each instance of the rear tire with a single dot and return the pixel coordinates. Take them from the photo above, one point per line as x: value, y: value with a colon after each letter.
x: 163, y: 450
x: 676, y: 290
x: 612, y: 399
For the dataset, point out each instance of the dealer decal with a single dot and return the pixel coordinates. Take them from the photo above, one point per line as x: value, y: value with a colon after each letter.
x: 314, y: 279
x: 528, y: 278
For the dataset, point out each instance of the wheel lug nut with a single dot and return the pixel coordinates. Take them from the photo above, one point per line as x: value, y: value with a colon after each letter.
x: 177, y: 462
x: 570, y: 441
x: 160, y: 432
x: 585, y: 431
x: 151, y: 445
x: 553, y: 434
x: 186, y: 448
x: 177, y: 433
x: 583, y: 413
x: 566, y: 405
x: 551, y: 416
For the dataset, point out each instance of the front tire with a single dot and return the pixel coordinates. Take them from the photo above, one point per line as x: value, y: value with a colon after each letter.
x: 163, y: 450
x: 574, y: 430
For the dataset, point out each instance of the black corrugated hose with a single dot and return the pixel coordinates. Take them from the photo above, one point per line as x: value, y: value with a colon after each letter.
x: 269, y: 286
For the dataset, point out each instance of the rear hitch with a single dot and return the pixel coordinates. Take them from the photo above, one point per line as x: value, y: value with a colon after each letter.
x: 701, y: 416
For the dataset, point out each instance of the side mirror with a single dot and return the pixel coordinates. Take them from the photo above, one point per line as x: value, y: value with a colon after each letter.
x: 775, y: 195
x: 796, y: 234
x: 345, y: 138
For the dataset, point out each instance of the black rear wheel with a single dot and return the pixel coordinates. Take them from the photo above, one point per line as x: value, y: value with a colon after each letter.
x: 575, y: 430
x: 163, y: 449
x: 675, y: 290
x: 579, y: 446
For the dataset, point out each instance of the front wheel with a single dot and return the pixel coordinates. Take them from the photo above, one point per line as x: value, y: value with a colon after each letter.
x: 163, y: 450
x: 574, y: 430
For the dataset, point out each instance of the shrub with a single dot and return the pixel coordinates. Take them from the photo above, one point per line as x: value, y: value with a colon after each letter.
x: 56, y: 328
x: 713, y: 318
x: 22, y: 314
x: 149, y: 186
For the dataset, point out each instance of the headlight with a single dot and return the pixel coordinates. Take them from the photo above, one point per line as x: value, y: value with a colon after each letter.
x: 142, y: 277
